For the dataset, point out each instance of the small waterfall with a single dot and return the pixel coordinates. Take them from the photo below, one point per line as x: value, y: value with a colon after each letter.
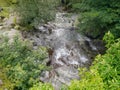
x: 68, y: 50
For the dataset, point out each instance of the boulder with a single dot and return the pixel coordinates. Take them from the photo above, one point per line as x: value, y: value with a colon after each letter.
x: 1, y: 9
x: 11, y: 34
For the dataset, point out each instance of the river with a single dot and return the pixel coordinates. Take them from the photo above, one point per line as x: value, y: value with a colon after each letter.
x: 68, y: 50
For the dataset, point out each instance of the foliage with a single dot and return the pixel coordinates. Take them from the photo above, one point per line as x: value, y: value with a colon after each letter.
x: 90, y: 81
x: 67, y: 4
x: 4, y: 4
x: 41, y: 86
x: 22, y: 65
x: 30, y: 12
x: 33, y: 12
x: 91, y: 24
x: 5, y: 80
x: 104, y: 73
x: 5, y: 12
x: 98, y: 17
x: 110, y: 63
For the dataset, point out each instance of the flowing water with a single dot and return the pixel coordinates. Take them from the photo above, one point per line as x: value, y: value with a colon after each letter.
x: 67, y: 51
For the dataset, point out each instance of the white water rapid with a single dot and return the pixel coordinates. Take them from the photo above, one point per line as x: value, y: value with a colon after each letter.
x: 68, y: 50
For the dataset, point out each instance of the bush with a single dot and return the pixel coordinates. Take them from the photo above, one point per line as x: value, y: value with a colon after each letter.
x: 30, y: 13
x: 36, y: 11
x: 4, y: 83
x: 22, y: 65
x: 104, y: 73
x: 41, y: 86
x: 98, y: 17
x: 90, y: 81
x: 6, y: 5
x: 91, y: 24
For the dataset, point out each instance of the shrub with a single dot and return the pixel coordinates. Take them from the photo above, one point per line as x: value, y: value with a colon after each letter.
x: 89, y: 81
x: 104, y: 73
x: 36, y: 11
x: 98, y: 17
x: 4, y: 83
x: 30, y: 13
x: 5, y: 5
x: 41, y: 86
x: 22, y: 65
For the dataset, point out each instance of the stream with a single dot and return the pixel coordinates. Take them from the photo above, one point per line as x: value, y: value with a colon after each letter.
x: 68, y: 50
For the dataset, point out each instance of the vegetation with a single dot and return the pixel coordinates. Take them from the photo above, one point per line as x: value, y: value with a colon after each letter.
x: 98, y: 17
x: 35, y: 11
x: 104, y: 73
x: 5, y: 4
x: 41, y: 86
x: 30, y: 12
x: 20, y: 64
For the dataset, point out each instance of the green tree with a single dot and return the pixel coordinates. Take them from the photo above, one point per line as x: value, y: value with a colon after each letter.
x: 22, y: 65
x: 98, y: 17
x: 36, y: 11
x: 104, y: 73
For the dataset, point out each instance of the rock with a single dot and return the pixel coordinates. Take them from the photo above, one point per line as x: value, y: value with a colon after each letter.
x: 11, y: 34
x: 100, y: 45
x: 60, y: 76
x: 34, y: 43
x: 9, y: 22
x: 1, y: 9
x: 1, y: 27
x: 12, y: 20
x: 1, y: 82
x: 41, y: 28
